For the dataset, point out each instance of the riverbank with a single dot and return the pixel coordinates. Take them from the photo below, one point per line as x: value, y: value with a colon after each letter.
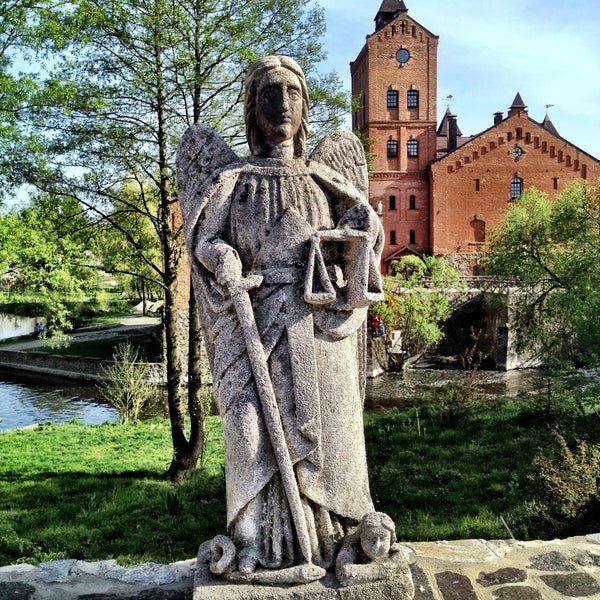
x: 25, y: 355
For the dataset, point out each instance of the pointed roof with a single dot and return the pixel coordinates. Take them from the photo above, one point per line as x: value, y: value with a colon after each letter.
x: 444, y: 127
x: 549, y: 126
x: 518, y: 103
x: 388, y: 11
x: 392, y: 6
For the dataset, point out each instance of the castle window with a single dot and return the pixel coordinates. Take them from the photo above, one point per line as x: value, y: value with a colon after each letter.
x: 392, y: 202
x: 477, y: 185
x: 412, y: 203
x: 392, y: 99
x: 412, y: 99
x: 411, y: 236
x: 412, y: 147
x: 516, y: 187
x: 555, y: 183
x: 392, y: 238
x: 392, y: 148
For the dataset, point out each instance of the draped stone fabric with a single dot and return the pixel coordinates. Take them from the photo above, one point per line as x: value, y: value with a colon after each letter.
x: 267, y: 211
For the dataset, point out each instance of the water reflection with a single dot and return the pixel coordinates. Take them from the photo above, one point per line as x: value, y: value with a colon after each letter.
x: 395, y: 389
x: 26, y: 401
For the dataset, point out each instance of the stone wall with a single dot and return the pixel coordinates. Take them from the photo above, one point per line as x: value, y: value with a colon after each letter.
x: 73, y: 367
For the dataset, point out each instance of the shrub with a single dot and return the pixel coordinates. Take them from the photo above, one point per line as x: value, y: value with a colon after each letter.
x: 568, y: 484
x: 126, y: 386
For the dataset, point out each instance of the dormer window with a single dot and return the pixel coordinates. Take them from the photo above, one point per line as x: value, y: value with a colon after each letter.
x: 392, y: 99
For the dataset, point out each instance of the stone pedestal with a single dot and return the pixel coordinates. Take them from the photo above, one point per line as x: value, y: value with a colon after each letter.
x: 209, y: 588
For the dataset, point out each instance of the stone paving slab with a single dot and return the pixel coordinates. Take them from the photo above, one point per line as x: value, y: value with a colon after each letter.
x: 461, y: 570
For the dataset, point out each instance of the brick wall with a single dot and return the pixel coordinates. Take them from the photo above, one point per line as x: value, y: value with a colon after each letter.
x: 471, y: 187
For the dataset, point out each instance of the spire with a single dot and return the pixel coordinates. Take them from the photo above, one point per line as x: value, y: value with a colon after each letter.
x: 549, y: 126
x: 388, y: 11
x: 444, y: 125
x: 517, y: 106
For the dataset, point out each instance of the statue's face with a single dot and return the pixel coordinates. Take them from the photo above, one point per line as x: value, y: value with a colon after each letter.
x: 279, y: 105
x: 375, y: 542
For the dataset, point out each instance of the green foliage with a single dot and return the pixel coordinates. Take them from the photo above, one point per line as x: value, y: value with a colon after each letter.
x: 126, y: 384
x: 549, y: 251
x: 418, y: 300
x: 568, y: 487
x: 43, y: 252
x: 123, y: 80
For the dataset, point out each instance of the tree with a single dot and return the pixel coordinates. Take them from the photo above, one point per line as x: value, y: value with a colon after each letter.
x: 127, y: 79
x: 45, y: 254
x: 418, y: 300
x: 549, y: 251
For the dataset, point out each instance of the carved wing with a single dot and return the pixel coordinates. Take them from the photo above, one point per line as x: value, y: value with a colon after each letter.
x: 200, y: 153
x: 343, y: 152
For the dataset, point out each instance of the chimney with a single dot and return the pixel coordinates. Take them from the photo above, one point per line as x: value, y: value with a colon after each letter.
x: 498, y: 118
x: 452, y: 133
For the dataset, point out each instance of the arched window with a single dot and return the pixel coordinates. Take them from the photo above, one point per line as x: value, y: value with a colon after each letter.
x: 413, y: 148
x: 412, y: 203
x: 516, y: 187
x: 412, y: 99
x: 392, y: 99
x: 392, y: 148
x: 392, y: 202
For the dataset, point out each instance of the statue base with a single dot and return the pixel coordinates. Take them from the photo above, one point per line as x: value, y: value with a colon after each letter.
x: 207, y: 587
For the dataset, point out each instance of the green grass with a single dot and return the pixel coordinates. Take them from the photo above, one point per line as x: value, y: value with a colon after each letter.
x: 98, y: 492
x: 447, y: 482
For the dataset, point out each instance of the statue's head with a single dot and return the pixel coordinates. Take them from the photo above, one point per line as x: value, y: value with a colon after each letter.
x: 276, y: 104
x: 377, y: 535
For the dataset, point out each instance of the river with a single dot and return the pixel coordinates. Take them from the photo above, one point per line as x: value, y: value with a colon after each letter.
x: 26, y: 400
x: 402, y: 389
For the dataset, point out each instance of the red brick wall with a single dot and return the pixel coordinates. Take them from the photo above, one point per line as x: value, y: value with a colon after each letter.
x: 471, y: 186
x: 374, y: 72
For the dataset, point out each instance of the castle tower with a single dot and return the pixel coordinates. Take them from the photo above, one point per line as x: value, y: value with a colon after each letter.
x: 394, y: 80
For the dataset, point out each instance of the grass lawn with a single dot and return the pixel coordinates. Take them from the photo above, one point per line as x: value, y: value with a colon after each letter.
x: 99, y: 492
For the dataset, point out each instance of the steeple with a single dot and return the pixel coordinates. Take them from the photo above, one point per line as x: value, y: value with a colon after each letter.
x: 517, y: 106
x: 388, y: 11
x: 549, y: 126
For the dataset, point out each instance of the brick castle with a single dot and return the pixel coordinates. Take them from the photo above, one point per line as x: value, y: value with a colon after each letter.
x: 436, y: 191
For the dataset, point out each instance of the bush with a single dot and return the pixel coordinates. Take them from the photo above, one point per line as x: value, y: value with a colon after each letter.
x: 568, y: 483
x: 126, y: 386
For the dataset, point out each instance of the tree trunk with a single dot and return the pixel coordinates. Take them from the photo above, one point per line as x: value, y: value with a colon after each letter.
x: 187, y: 452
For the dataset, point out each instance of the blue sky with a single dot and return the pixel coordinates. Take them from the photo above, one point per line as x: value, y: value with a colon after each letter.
x: 548, y: 50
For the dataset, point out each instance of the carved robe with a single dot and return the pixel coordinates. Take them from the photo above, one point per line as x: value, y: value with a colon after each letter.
x: 266, y: 210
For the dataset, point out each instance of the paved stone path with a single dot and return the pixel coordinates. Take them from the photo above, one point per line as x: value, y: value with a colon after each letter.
x: 460, y: 570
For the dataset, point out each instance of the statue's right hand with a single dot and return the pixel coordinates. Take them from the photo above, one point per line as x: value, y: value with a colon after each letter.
x: 229, y: 269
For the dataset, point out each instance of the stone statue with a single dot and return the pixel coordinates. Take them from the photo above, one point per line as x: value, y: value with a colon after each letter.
x: 371, y: 552
x: 284, y: 255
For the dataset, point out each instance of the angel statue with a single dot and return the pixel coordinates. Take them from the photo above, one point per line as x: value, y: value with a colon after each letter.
x: 284, y: 257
